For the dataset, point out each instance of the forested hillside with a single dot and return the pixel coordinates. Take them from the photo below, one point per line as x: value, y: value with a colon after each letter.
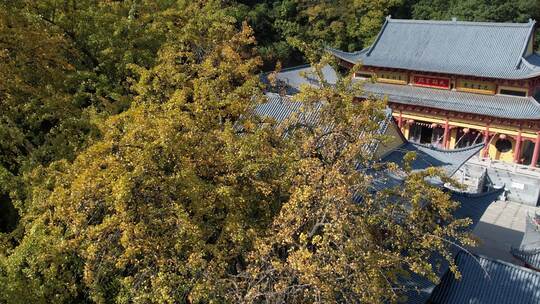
x: 132, y: 172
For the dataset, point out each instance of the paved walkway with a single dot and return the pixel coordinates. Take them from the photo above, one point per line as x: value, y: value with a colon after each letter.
x: 501, y: 227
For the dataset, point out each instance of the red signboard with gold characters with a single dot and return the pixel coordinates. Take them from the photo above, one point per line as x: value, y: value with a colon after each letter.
x: 432, y: 82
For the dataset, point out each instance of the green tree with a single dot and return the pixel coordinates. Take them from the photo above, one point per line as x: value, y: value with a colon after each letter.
x: 164, y: 203
x: 108, y: 37
x: 65, y: 66
x: 39, y: 121
x: 477, y: 10
x: 280, y: 26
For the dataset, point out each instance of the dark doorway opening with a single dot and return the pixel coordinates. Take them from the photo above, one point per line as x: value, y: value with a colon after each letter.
x: 426, y: 135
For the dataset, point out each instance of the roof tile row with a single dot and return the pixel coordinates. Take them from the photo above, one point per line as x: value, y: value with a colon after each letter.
x: 495, y: 50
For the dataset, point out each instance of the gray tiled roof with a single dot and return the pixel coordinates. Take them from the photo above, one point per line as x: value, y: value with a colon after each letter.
x: 280, y: 108
x: 487, y: 281
x: 293, y: 78
x: 472, y: 206
x: 428, y: 156
x: 501, y: 106
x: 480, y: 49
x: 530, y: 257
x: 529, y: 250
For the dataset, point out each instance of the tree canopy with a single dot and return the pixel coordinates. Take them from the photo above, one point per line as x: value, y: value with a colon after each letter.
x: 132, y: 169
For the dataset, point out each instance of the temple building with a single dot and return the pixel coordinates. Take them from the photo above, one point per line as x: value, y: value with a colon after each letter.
x: 477, y: 92
x: 454, y: 84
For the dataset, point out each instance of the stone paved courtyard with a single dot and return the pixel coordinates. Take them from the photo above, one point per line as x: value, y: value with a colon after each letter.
x: 501, y: 227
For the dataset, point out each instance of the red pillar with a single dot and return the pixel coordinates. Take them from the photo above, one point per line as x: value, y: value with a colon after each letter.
x: 536, y: 150
x: 400, y: 121
x: 517, y: 152
x: 446, y: 134
x: 485, y: 152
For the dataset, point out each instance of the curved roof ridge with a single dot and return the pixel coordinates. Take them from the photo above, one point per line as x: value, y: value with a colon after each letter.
x: 478, y: 195
x: 526, y: 252
x: 535, y: 103
x: 372, y: 46
x: 355, y: 53
x: 526, y: 63
x: 296, y: 67
x: 457, y: 150
x: 482, y: 49
x: 526, y: 43
x: 507, y: 264
x: 475, y: 23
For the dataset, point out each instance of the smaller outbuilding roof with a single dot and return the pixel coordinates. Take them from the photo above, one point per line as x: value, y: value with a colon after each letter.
x: 487, y: 281
x: 280, y: 108
x: 472, y: 206
x: 529, y: 250
x: 283, y: 108
x: 482, y: 49
x: 429, y: 156
x: 290, y: 80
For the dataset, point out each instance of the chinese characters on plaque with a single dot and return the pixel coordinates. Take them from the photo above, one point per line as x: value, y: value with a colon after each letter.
x: 434, y: 82
x: 392, y: 77
x: 476, y: 86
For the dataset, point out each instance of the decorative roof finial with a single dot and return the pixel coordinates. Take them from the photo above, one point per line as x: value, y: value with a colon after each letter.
x: 454, y: 19
x: 388, y: 17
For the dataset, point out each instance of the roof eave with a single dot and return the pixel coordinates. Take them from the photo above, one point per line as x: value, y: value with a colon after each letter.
x: 517, y: 118
x: 525, y: 77
x: 370, y: 49
x: 527, y: 41
x: 339, y: 54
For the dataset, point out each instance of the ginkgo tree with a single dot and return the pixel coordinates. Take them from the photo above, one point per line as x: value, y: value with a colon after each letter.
x: 186, y: 197
x: 169, y: 196
x: 337, y: 238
